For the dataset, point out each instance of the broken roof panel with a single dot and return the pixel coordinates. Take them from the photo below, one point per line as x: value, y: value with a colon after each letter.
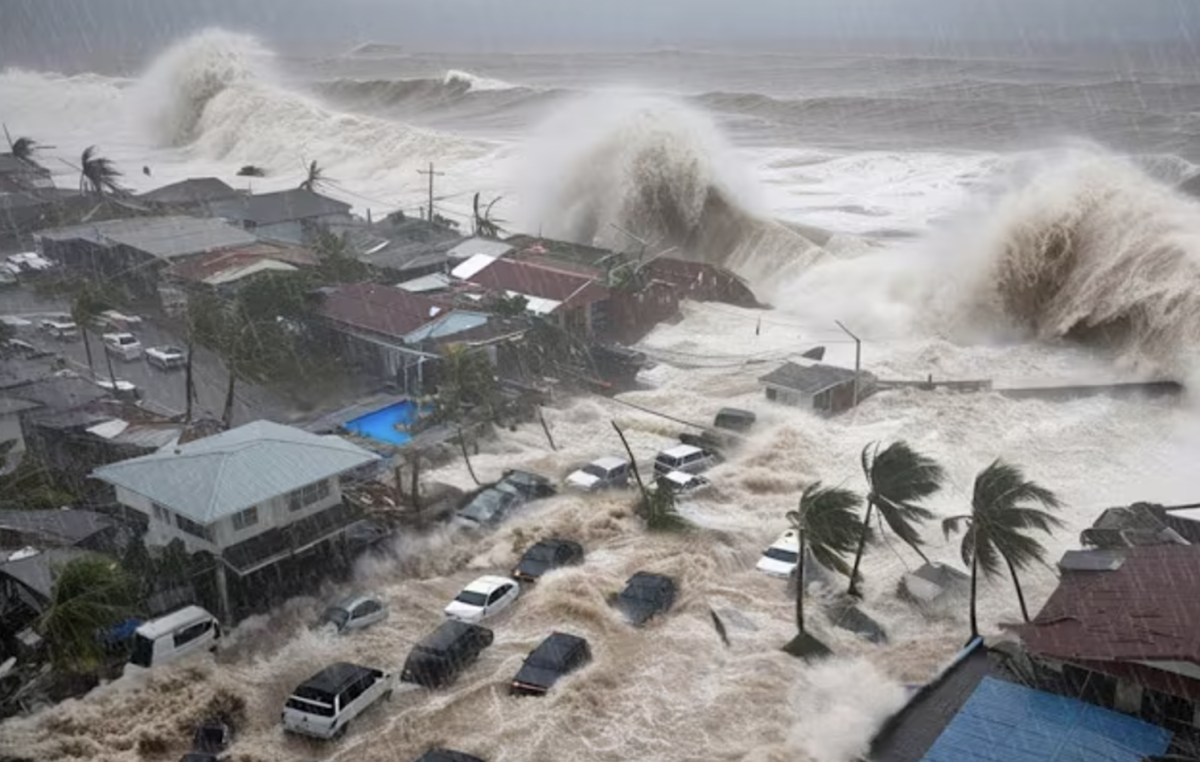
x: 538, y: 280
x: 809, y: 379
x: 480, y: 246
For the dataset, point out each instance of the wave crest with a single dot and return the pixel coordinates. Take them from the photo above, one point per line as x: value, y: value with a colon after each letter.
x: 475, y: 82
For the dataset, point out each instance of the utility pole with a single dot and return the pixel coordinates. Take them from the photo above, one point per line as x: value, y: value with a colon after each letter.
x: 431, y: 174
x: 857, y: 358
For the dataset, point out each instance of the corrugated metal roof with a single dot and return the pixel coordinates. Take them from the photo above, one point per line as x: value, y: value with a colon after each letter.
x: 809, y: 379
x: 536, y: 304
x: 485, y: 246
x: 1006, y: 722
x: 472, y: 265
x: 455, y: 322
x: 280, y: 206
x: 385, y: 310
x: 223, y: 474
x: 162, y: 237
x: 539, y: 279
x: 60, y: 527
x: 191, y: 191
x: 37, y: 572
x: 431, y: 282
x: 10, y: 406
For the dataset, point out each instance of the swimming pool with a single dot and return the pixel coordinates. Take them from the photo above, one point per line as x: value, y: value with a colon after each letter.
x: 387, y: 424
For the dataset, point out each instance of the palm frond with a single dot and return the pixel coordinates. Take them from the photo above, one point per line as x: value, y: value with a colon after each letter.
x: 899, y: 477
x: 954, y: 524
x: 829, y: 518
x: 1001, y: 516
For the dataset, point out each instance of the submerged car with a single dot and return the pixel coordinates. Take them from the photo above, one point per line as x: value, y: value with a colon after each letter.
x: 646, y: 595
x: 601, y: 473
x: 446, y: 755
x: 451, y: 648
x: 354, y: 613
x: 531, y: 486
x: 546, y: 555
x: 210, y: 740
x: 556, y: 656
x: 683, y: 483
x: 326, y: 703
x: 166, y: 358
x: 484, y: 598
x: 490, y: 506
x: 780, y: 559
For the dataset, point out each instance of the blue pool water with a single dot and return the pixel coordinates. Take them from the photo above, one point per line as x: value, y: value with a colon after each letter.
x: 382, y: 424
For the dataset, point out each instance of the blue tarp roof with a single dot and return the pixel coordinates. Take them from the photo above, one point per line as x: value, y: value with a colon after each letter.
x: 1005, y: 722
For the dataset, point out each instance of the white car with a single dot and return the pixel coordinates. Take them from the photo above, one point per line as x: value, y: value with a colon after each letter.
x: 123, y: 345
x: 683, y: 483
x: 483, y: 599
x: 61, y: 327
x: 118, y: 320
x: 30, y: 261
x: 601, y: 473
x: 354, y: 613
x: 166, y: 357
x: 780, y: 559
x: 124, y: 390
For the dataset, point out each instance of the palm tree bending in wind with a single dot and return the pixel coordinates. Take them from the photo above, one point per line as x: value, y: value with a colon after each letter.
x: 897, y: 479
x: 1000, y: 512
x: 827, y: 527
x: 97, y: 174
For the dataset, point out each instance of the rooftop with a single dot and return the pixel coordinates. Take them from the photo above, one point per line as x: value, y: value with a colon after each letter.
x: 280, y: 206
x: 59, y: 393
x: 37, y: 572
x: 161, y: 237
x: 55, y: 527
x: 12, y: 406
x: 1144, y: 610
x: 808, y: 379
x: 474, y: 246
x: 195, y: 190
x: 385, y: 310
x: 229, y: 265
x: 541, y: 281
x: 208, y: 479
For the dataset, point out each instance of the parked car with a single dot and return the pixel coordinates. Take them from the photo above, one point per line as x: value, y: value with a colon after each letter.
x: 451, y: 648
x: 531, y: 486
x: 123, y: 345
x: 29, y: 262
x: 61, y: 328
x: 554, y: 658
x: 683, y: 483
x: 203, y: 756
x: 546, y: 555
x: 780, y: 559
x: 166, y: 358
x: 124, y: 390
x: 490, y: 506
x: 212, y: 736
x: 324, y: 705
x: 684, y: 457
x: 484, y: 598
x: 645, y: 595
x: 601, y: 473
x: 118, y: 320
x: 354, y: 613
x: 445, y: 755
x: 734, y: 419
x: 20, y: 348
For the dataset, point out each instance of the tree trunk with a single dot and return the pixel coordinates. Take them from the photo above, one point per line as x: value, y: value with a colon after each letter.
x: 1017, y: 584
x: 974, y: 581
x: 87, y: 349
x: 633, y: 464
x: 415, y: 486
x: 800, y: 584
x: 111, y: 375
x: 862, y: 544
x: 189, y: 388
x: 546, y: 429
x: 462, y: 442
x: 227, y: 415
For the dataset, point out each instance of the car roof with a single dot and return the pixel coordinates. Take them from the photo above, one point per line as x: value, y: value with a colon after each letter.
x: 188, y: 615
x: 351, y: 602
x: 335, y: 677
x: 789, y: 540
x: 609, y: 462
x: 118, y: 335
x: 447, y: 632
x: 649, y: 579
x: 680, y: 477
x: 680, y: 451
x: 446, y: 755
x: 167, y: 348
x: 488, y: 583
x: 521, y: 474
x: 552, y: 542
x: 559, y: 643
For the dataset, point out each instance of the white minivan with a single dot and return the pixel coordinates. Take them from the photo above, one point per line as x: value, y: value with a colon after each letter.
x: 181, y: 633
x: 324, y: 704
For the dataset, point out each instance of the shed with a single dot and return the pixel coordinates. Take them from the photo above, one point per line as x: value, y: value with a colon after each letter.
x: 825, y: 389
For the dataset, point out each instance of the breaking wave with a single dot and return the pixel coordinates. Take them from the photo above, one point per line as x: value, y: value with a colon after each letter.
x: 475, y: 82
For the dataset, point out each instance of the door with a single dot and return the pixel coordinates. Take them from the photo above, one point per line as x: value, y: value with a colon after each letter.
x: 499, y: 600
x: 191, y: 639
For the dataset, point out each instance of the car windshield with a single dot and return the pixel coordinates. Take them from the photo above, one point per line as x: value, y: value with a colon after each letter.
x: 127, y: 340
x: 594, y: 470
x: 337, y: 615
x: 540, y: 553
x: 485, y: 505
x: 472, y: 598
x: 780, y: 554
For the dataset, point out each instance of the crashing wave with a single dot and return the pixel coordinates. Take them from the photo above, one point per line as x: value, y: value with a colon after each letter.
x: 475, y: 82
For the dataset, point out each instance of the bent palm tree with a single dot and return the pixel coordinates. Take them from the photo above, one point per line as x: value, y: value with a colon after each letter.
x: 91, y: 594
x: 826, y: 524
x: 995, y: 527
x: 897, y: 479
x: 23, y: 148
x: 97, y: 174
x: 315, y: 177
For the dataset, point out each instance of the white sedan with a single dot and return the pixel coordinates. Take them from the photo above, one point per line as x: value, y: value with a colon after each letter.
x: 482, y: 599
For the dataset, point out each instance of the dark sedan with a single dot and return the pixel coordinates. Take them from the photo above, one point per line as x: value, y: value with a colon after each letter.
x: 645, y: 595
x: 546, y: 555
x: 531, y: 486
x: 556, y: 656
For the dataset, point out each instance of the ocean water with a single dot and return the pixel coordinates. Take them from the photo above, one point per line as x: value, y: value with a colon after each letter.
x: 967, y: 219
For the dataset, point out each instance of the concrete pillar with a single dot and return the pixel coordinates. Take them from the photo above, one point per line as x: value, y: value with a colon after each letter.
x: 223, y: 608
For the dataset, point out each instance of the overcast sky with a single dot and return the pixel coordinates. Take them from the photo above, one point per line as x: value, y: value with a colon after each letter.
x: 76, y: 32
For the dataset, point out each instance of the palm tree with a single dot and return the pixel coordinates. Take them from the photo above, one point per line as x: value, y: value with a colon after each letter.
x: 485, y: 226
x: 315, y: 177
x: 994, y: 528
x: 91, y: 594
x: 86, y: 307
x: 827, y: 528
x: 897, y: 478
x: 97, y: 174
x: 23, y: 148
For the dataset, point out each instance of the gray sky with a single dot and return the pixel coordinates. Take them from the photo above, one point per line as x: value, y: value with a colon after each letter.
x: 73, y: 33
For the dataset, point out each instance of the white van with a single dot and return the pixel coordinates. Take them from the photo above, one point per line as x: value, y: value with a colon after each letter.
x: 686, y: 458
x: 181, y: 633
x: 324, y: 704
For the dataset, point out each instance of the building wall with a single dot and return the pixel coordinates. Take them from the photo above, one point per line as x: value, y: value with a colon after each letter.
x: 786, y: 396
x: 10, y: 431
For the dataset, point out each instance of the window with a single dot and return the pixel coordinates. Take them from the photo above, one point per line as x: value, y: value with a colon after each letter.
x: 246, y: 518
x: 308, y: 495
x: 161, y: 513
x: 192, y: 528
x: 188, y: 634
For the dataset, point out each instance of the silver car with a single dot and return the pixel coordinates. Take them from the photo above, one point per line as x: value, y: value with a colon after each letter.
x: 354, y: 613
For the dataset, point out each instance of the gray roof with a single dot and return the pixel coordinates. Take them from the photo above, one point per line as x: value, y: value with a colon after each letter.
x: 162, y: 237
x: 485, y: 246
x: 809, y: 379
x: 59, y: 393
x: 11, y: 406
x: 37, y: 572
x: 68, y: 527
x: 11, y: 165
x: 223, y: 474
x: 194, y: 190
x: 281, y: 206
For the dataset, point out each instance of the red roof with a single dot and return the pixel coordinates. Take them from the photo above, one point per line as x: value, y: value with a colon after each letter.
x: 542, y: 280
x: 200, y: 268
x: 385, y: 310
x: 1145, y: 610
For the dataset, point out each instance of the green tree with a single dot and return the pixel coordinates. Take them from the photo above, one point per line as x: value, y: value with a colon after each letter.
x: 996, y: 527
x: 827, y: 528
x: 97, y: 174
x: 336, y: 260
x: 91, y: 594
x: 468, y: 384
x: 23, y: 148
x: 508, y: 306
x: 898, y: 478
x: 32, y: 486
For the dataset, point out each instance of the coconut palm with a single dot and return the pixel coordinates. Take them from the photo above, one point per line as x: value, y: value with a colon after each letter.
x: 897, y: 479
x: 85, y: 308
x: 994, y: 529
x: 97, y: 174
x: 315, y: 177
x: 827, y: 528
x: 23, y: 148
x: 91, y: 593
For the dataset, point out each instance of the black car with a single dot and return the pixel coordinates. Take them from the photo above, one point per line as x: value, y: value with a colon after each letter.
x: 445, y: 755
x: 201, y: 756
x: 491, y: 506
x: 531, y: 486
x: 451, y: 648
x: 212, y: 736
x: 555, y: 657
x: 645, y: 595
x: 546, y: 555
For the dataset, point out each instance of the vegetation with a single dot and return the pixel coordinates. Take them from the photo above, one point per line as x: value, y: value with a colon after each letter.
x: 91, y: 594
x: 33, y: 487
x: 86, y: 306
x: 250, y: 170
x: 508, y: 306
x: 484, y: 225
x: 336, y: 262
x: 314, y: 177
x: 898, y: 478
x: 24, y: 148
x: 468, y: 386
x: 995, y: 529
x: 97, y: 174
x: 827, y: 528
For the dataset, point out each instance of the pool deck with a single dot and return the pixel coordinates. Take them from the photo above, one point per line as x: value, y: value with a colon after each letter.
x: 331, y: 422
